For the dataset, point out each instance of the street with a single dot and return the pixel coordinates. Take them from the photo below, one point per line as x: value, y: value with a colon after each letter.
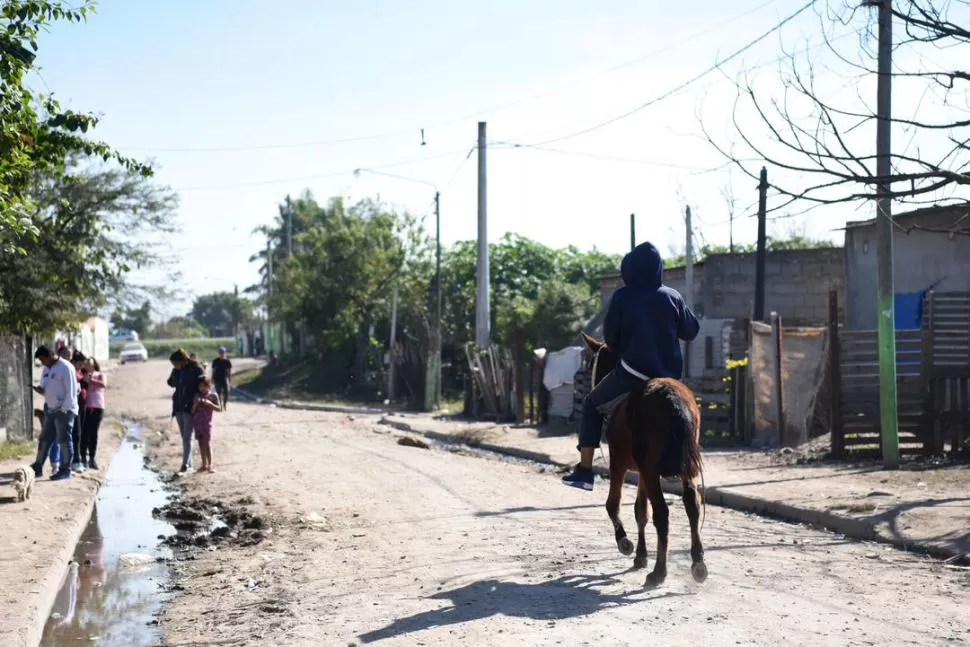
x: 372, y: 542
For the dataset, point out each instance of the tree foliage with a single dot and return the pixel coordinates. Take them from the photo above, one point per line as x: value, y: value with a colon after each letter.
x: 95, y: 224
x: 137, y: 319
x: 817, y: 132
x: 220, y: 311
x: 36, y: 134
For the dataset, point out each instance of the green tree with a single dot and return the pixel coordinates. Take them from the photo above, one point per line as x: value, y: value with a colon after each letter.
x: 220, y: 311
x: 180, y: 328
x: 36, y: 134
x: 96, y: 224
x: 137, y: 319
x: 772, y: 244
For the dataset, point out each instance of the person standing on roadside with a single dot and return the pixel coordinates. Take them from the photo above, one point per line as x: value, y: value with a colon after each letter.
x: 60, y: 393
x: 97, y: 382
x: 222, y: 376
x: 185, y: 380
x: 81, y: 369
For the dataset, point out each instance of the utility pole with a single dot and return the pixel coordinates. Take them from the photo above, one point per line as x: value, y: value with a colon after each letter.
x: 437, y: 290
x: 633, y: 230
x: 390, y: 363
x: 759, y: 267
x: 482, y: 316
x: 289, y: 228
x: 884, y: 246
x: 269, y: 291
x: 689, y: 261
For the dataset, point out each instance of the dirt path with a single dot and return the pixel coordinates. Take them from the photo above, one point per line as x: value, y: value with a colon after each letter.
x: 369, y: 541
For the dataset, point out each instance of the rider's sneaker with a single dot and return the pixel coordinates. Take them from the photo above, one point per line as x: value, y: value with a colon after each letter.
x: 580, y: 477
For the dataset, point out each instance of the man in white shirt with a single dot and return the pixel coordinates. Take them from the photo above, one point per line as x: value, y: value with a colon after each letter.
x: 60, y: 394
x: 55, y: 451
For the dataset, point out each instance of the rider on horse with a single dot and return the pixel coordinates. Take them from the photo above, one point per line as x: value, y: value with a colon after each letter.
x: 644, y: 323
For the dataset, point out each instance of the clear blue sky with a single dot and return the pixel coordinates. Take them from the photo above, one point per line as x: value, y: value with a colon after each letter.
x: 256, y: 76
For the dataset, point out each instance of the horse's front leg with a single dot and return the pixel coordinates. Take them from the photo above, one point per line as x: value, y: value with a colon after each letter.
x: 617, y: 474
x: 661, y: 521
x: 642, y: 513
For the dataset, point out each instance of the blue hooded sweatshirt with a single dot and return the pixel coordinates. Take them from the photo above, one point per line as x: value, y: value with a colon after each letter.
x: 646, y: 319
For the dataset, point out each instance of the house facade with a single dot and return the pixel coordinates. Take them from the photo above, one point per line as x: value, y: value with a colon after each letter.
x: 927, y: 254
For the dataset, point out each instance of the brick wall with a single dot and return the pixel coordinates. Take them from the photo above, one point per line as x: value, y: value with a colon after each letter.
x: 797, y: 284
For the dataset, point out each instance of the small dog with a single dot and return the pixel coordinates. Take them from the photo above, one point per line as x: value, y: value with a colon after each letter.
x: 23, y: 483
x: 39, y: 414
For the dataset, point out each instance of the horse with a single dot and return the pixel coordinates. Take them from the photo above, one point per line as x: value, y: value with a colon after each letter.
x: 654, y: 431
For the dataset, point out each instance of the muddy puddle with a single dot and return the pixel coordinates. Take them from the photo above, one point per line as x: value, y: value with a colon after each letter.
x: 115, y: 585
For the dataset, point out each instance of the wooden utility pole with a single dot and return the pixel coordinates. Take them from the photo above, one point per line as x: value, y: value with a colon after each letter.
x: 482, y: 315
x: 633, y: 230
x: 437, y: 290
x: 689, y: 261
x: 884, y: 244
x: 390, y: 355
x: 760, y: 257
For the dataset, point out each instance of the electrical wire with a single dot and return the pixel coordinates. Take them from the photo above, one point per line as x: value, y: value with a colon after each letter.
x: 320, y: 176
x: 512, y: 104
x: 717, y: 66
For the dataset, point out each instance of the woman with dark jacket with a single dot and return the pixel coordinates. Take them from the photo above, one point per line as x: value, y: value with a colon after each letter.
x: 184, y: 378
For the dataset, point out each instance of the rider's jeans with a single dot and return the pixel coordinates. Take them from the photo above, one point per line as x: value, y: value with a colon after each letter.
x: 618, y: 382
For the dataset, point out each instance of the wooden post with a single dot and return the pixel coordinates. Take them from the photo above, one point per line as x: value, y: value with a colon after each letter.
x: 519, y: 376
x: 835, y: 379
x: 929, y: 429
x: 779, y: 377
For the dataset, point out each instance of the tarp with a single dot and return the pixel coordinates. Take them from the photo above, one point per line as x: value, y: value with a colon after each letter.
x: 909, y: 310
x: 561, y: 366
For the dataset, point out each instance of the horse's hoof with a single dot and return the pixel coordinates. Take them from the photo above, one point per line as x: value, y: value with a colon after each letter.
x: 699, y: 571
x: 625, y: 545
x: 654, y: 579
x: 639, y: 562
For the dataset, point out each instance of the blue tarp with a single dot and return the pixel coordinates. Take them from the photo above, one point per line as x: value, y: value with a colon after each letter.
x: 909, y: 310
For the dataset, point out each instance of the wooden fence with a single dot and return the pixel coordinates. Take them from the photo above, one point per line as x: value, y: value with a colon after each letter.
x: 932, y: 373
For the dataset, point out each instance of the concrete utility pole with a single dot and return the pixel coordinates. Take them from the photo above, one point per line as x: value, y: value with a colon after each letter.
x: 759, y: 265
x: 884, y: 245
x: 482, y: 316
x: 633, y: 230
x: 689, y: 261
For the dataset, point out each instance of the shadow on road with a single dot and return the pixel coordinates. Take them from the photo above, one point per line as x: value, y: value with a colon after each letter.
x: 558, y: 599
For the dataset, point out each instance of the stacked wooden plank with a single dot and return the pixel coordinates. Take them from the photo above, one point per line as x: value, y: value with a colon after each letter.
x: 493, y: 372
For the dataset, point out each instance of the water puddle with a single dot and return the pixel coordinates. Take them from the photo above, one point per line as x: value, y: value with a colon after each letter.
x: 114, y: 587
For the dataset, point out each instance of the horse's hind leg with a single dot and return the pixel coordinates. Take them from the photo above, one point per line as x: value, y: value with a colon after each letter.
x: 613, y: 509
x: 642, y: 513
x: 661, y: 521
x: 692, y: 503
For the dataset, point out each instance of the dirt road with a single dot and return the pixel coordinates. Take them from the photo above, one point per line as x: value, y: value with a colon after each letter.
x: 371, y: 542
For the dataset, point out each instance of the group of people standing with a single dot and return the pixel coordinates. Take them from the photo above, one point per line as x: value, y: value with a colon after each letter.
x: 73, y: 387
x: 195, y: 398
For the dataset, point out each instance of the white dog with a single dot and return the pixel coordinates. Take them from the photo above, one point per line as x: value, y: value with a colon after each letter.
x: 23, y: 483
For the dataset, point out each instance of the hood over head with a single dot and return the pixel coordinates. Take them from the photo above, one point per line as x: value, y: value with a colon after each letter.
x: 643, y: 267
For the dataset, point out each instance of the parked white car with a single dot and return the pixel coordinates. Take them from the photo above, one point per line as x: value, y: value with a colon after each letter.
x: 124, y: 335
x: 133, y: 353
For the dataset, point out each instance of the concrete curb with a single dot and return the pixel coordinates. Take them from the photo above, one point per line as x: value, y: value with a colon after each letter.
x: 51, y: 582
x: 722, y: 497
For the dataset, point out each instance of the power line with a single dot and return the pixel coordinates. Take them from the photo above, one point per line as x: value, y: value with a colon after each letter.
x: 320, y: 176
x: 517, y: 102
x: 597, y: 156
x: 683, y: 85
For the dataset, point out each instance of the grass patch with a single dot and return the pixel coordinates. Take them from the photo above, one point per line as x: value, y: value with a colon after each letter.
x: 16, y: 449
x: 207, y: 348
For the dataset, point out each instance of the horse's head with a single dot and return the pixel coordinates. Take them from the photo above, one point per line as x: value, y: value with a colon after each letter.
x: 604, y: 359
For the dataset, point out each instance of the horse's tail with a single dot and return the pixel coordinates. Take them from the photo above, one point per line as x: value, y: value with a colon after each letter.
x: 682, y: 451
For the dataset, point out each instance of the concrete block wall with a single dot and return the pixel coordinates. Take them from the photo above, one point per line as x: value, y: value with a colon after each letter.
x: 797, y: 284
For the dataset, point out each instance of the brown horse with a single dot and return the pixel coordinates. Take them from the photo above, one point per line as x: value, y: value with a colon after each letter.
x: 655, y: 431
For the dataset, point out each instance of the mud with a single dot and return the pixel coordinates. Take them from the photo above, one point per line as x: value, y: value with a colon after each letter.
x: 204, y: 523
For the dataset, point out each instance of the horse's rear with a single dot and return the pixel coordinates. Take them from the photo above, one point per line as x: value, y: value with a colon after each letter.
x: 656, y: 432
